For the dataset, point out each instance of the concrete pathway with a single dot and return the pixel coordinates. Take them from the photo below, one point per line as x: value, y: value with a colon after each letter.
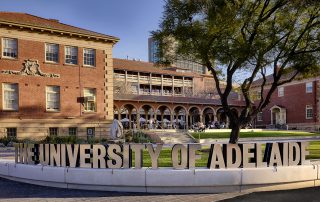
x: 16, y: 191
x: 174, y: 137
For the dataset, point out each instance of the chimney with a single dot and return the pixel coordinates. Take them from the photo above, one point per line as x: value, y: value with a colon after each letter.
x: 54, y: 20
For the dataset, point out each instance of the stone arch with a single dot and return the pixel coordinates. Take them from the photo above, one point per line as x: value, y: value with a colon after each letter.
x: 147, y: 114
x: 146, y: 105
x: 235, y: 110
x: 180, y: 114
x: 183, y: 107
x: 129, y: 105
x: 214, y: 111
x: 129, y: 115
x: 116, y: 112
x: 278, y: 115
x: 194, y: 115
x: 209, y: 115
x: 222, y: 117
x: 163, y: 117
x: 194, y: 106
x: 163, y: 105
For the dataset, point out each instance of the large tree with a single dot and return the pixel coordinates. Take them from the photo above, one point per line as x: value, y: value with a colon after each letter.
x: 242, y: 41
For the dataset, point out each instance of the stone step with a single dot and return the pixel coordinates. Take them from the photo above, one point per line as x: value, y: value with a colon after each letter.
x: 174, y: 137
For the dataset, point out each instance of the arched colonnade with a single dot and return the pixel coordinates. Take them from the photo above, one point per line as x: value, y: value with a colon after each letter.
x: 168, y: 116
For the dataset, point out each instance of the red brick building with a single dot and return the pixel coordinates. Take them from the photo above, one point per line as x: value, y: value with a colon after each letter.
x: 55, y: 79
x: 143, y: 91
x: 295, y: 105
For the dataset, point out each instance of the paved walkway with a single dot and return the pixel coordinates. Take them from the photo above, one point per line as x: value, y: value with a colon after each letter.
x: 16, y: 191
x: 179, y: 137
x: 305, y: 195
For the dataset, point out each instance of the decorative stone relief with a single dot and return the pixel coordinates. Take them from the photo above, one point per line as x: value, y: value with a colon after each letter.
x: 31, y: 68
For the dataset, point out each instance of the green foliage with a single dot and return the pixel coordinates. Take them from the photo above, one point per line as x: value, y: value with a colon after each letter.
x: 6, y: 140
x: 242, y: 41
x: 218, y: 135
x: 61, y: 140
x: 137, y: 137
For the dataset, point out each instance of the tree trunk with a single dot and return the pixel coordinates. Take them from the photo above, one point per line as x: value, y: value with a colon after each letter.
x: 235, y: 133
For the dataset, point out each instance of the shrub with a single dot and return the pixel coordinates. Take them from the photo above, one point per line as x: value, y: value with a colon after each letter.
x: 140, y: 137
x: 6, y: 140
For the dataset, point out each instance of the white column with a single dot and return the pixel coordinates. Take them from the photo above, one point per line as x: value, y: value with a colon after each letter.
x: 150, y: 83
x: 172, y: 85
x: 126, y: 77
x: 138, y: 83
x: 161, y: 84
x: 192, y: 87
x: 138, y: 120
x: 171, y: 119
x: 130, y: 123
x: 183, y: 94
x: 187, y: 120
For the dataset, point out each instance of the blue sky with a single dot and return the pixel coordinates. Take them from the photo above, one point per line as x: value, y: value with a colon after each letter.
x: 130, y: 20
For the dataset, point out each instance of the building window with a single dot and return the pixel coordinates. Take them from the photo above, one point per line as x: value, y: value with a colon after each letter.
x: 71, y: 54
x: 53, y: 98
x: 12, y: 133
x: 10, y: 96
x: 259, y: 116
x: 280, y: 91
x: 73, y: 131
x: 309, y: 87
x: 53, y: 131
x: 52, y: 53
x: 259, y: 95
x: 90, y: 132
x: 89, y: 99
x: 9, y: 48
x: 89, y: 57
x: 309, y: 112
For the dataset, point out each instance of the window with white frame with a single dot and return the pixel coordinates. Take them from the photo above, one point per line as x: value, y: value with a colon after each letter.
x: 73, y: 131
x: 12, y: 133
x: 280, y: 91
x: 89, y: 57
x: 89, y: 99
x: 53, y: 98
x: 309, y: 87
x: 10, y: 96
x: 53, y: 131
x: 259, y: 116
x: 258, y: 95
x: 9, y: 48
x: 52, y: 53
x: 71, y: 55
x: 90, y: 132
x: 309, y: 112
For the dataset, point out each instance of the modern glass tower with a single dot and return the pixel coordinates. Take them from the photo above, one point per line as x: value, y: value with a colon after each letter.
x: 182, y: 64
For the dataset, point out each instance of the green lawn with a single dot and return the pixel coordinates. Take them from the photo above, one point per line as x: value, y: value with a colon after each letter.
x: 217, y: 135
x: 165, y: 156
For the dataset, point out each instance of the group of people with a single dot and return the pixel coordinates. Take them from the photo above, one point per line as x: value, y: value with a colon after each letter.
x: 154, y: 124
x: 199, y: 126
